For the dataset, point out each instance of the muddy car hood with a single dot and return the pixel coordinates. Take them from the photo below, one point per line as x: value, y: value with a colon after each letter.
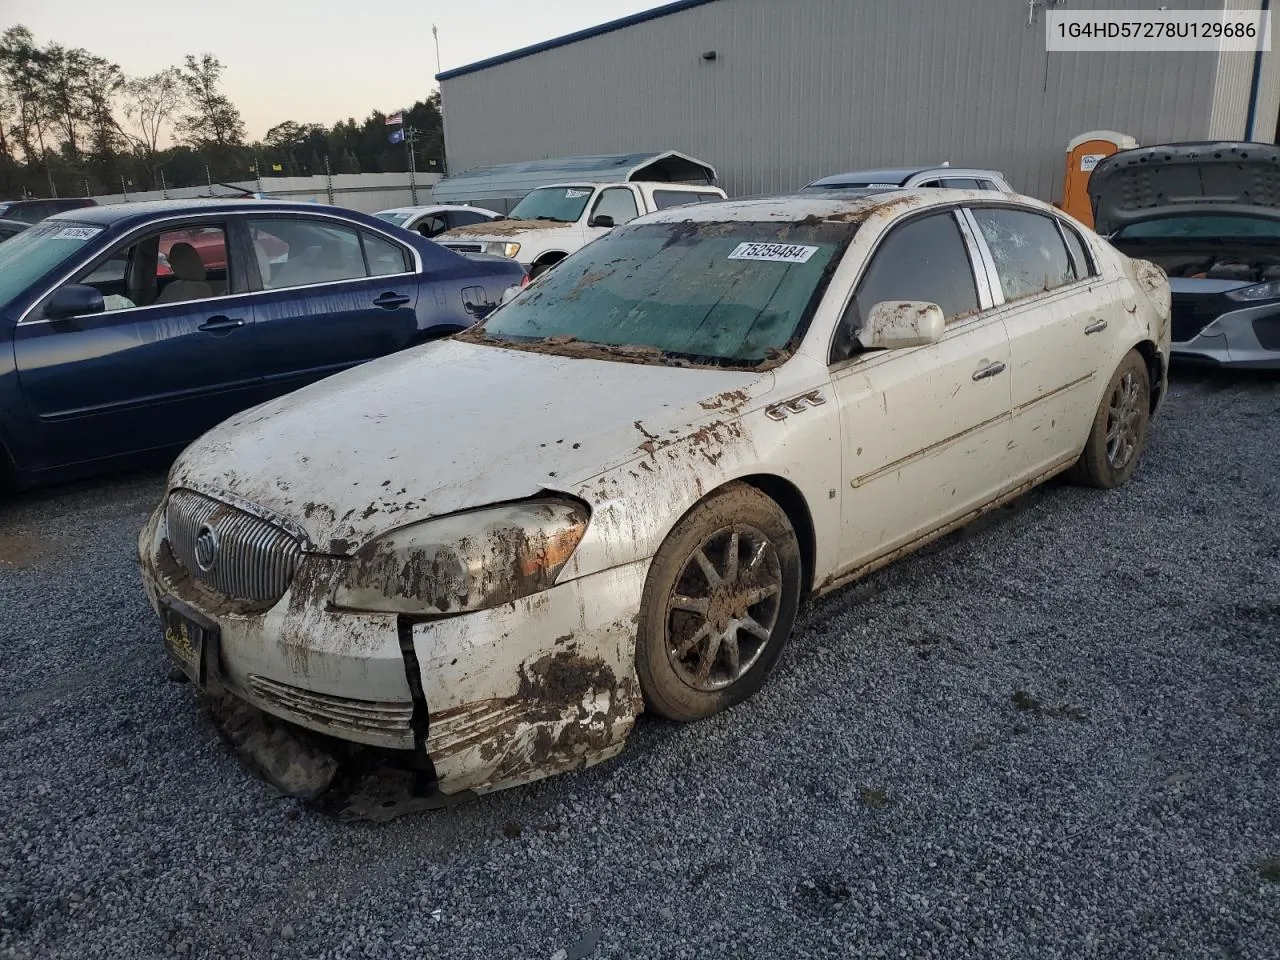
x: 500, y: 229
x: 445, y: 427
x: 1220, y: 177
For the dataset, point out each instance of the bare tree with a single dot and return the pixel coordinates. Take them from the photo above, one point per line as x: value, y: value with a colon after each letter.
x: 149, y: 104
x: 21, y: 65
x: 214, y: 119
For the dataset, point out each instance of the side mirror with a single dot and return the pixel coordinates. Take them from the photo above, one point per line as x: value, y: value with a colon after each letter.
x: 602, y: 220
x: 74, y: 300
x: 902, y: 323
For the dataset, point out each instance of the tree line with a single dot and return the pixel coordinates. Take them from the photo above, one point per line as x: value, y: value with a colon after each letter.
x: 73, y: 123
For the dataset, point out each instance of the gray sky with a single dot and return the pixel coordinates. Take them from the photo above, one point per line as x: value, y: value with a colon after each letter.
x: 338, y: 59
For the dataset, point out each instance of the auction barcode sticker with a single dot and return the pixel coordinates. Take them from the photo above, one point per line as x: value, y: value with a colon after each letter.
x: 774, y: 252
x: 76, y: 233
x: 1107, y: 31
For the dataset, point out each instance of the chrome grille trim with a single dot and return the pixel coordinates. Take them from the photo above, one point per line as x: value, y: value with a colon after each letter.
x: 257, y: 559
x: 362, y: 719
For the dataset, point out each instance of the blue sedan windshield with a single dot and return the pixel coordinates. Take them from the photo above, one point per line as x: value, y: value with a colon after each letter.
x: 31, y: 254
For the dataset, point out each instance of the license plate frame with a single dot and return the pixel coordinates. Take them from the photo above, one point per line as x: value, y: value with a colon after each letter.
x: 189, y: 639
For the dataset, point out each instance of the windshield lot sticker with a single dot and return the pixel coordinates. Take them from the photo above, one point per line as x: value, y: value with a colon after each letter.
x: 76, y: 233
x: 575, y: 194
x: 773, y: 252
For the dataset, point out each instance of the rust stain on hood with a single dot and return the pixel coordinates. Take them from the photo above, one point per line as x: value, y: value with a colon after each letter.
x: 500, y: 228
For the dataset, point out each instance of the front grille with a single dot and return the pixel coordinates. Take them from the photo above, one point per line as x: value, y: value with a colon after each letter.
x: 364, y: 720
x: 465, y: 247
x: 247, y: 558
x: 1192, y: 312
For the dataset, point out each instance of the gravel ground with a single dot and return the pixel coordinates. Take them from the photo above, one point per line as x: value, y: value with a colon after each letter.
x: 1055, y: 736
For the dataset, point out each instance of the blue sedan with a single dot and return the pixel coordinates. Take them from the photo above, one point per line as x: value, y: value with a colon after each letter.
x: 131, y: 329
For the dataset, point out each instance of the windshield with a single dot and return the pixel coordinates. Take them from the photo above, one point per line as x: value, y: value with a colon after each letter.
x: 562, y: 204
x: 1202, y: 227
x: 395, y: 216
x: 29, y: 255
x: 723, y: 294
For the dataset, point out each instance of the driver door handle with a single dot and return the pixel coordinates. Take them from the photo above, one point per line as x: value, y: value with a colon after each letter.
x: 391, y: 300
x: 1096, y: 327
x: 990, y: 370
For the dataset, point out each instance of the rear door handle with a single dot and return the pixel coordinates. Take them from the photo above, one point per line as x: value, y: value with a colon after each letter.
x: 1096, y: 327
x: 391, y: 300
x: 990, y: 370
x: 219, y: 324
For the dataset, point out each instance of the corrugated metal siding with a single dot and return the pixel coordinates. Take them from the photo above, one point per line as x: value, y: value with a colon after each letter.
x: 1269, y: 97
x: 1229, y: 112
x: 811, y: 87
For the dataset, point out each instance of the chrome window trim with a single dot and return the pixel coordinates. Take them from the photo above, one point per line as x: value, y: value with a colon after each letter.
x: 1090, y: 261
x: 225, y: 215
x: 982, y: 278
x: 988, y: 261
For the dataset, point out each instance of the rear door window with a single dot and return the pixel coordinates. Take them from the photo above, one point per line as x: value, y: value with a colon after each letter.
x: 1029, y: 253
x: 302, y: 253
x: 384, y: 257
x: 462, y: 218
x: 618, y: 203
x: 1080, y: 262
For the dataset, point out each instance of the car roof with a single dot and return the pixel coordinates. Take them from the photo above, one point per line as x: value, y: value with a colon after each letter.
x: 116, y: 213
x: 900, y: 174
x: 849, y: 205
x: 661, y: 184
x: 433, y: 207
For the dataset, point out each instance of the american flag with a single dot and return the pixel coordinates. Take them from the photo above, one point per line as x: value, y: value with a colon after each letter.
x: 397, y: 117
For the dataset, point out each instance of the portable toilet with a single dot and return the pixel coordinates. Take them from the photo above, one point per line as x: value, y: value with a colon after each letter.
x: 1083, y: 154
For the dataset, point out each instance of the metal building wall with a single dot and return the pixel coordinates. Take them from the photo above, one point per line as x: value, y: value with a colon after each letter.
x: 802, y: 88
x: 1229, y: 112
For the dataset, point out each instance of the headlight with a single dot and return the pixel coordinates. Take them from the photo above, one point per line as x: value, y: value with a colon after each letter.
x: 1259, y: 291
x: 467, y: 561
x: 508, y: 250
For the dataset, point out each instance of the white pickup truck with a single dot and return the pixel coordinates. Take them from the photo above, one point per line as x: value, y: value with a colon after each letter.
x: 552, y: 222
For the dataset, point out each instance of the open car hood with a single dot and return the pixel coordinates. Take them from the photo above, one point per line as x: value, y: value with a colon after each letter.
x: 1212, y: 177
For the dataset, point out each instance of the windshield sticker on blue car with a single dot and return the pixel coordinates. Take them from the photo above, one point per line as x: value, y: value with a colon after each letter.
x: 773, y: 252
x: 77, y: 233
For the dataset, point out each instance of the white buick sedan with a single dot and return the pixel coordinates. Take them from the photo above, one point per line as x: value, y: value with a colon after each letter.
x: 493, y: 552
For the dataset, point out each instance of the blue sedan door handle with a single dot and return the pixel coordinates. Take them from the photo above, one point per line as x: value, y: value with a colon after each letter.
x: 391, y: 300
x: 220, y: 324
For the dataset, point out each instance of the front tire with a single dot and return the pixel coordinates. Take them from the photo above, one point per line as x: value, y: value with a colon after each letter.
x: 719, y: 604
x: 1118, y: 436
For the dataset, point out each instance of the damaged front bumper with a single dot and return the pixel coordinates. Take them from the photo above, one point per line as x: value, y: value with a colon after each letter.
x: 1247, y: 338
x: 492, y: 698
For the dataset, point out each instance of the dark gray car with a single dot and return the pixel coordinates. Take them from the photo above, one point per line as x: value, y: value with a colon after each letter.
x: 1209, y: 215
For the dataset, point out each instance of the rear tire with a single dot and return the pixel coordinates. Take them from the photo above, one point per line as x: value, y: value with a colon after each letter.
x: 718, y: 606
x: 1118, y: 436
